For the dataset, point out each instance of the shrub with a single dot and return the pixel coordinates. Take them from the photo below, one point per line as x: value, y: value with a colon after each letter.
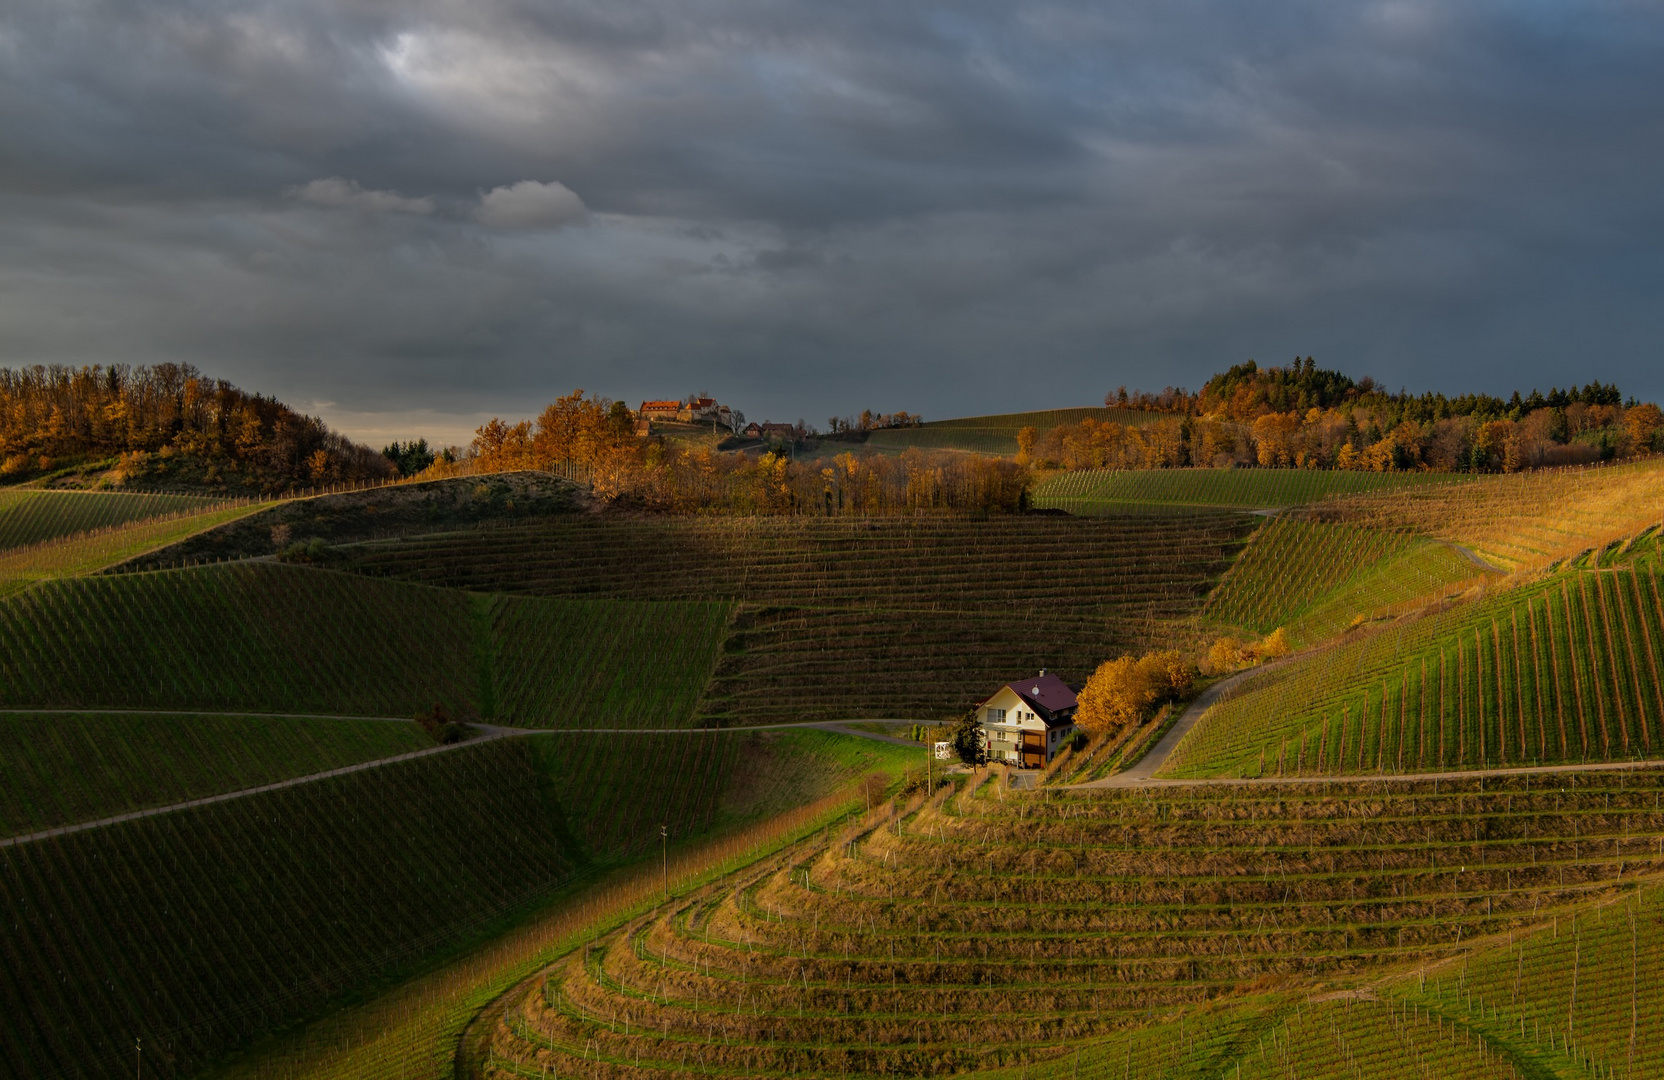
x: 1123, y: 691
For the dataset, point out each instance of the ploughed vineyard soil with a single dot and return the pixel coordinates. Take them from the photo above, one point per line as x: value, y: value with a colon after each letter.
x: 619, y: 884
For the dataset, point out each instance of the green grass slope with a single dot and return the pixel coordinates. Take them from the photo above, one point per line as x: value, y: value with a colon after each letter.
x: 1192, y: 932
x: 404, y: 509
x: 198, y: 930
x: 1565, y: 669
x: 266, y: 637
x: 884, y: 617
x: 31, y: 517
x: 1092, y: 491
x: 195, y: 930
x: 1315, y: 577
x: 89, y: 553
x: 995, y: 434
x: 57, y: 769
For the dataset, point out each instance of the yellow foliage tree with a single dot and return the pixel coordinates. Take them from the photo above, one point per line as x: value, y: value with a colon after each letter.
x: 1224, y: 655
x: 1124, y: 690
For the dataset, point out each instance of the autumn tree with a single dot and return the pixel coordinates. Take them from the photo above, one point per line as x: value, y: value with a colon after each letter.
x: 1123, y: 691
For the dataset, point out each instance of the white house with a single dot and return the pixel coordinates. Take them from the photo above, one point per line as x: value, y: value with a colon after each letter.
x: 1025, y: 723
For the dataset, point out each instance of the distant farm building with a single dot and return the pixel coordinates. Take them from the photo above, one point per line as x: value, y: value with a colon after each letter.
x: 782, y: 432
x: 659, y: 410
x: 1026, y: 723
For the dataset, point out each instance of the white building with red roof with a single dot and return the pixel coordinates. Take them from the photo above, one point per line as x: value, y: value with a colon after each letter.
x: 1026, y: 723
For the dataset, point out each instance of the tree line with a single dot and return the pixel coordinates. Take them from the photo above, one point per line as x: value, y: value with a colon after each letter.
x: 168, y: 421
x: 1304, y: 416
x: 598, y: 437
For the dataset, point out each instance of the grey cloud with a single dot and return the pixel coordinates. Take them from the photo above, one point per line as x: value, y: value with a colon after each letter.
x: 922, y: 198
x: 530, y: 204
x: 336, y: 192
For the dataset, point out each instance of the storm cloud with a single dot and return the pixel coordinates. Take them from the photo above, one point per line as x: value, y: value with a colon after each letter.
x: 408, y: 216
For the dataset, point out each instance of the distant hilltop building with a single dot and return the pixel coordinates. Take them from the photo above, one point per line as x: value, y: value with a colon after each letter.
x: 659, y: 410
x: 693, y: 410
x: 783, y: 432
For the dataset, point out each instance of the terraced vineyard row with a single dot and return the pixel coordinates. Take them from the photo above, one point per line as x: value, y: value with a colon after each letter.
x: 1566, y: 670
x: 266, y: 637
x: 787, y: 664
x: 1034, y: 931
x: 57, y: 769
x: 1088, y: 491
x: 1582, y: 995
x: 30, y: 517
x: 931, y: 609
x: 1314, y: 578
x: 894, y: 562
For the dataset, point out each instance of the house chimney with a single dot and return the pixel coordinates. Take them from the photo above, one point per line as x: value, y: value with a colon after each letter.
x: 1042, y: 671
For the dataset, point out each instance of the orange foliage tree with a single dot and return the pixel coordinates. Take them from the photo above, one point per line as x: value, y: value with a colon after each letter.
x: 1123, y: 691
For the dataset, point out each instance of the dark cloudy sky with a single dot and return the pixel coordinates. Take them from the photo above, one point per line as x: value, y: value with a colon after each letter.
x: 406, y: 216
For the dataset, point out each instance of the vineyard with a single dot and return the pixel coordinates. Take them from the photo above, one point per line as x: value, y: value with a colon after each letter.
x: 31, y: 517
x: 265, y: 637
x: 90, y: 552
x: 1523, y: 521
x: 1562, y: 670
x: 199, y: 929
x: 221, y: 921
x: 990, y: 930
x: 1314, y: 578
x: 995, y: 434
x: 57, y: 769
x: 1096, y: 491
x: 939, y: 606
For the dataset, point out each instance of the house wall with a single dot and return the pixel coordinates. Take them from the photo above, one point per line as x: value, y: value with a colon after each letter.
x: 1004, y: 737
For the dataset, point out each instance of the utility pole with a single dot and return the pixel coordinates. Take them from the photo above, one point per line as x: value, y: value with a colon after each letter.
x: 664, y: 855
x: 138, y: 1059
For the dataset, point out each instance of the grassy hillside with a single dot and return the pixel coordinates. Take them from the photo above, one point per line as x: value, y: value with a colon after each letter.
x: 884, y: 617
x: 1525, y: 520
x: 1009, y: 932
x: 91, y: 552
x: 598, y: 663
x: 57, y: 769
x: 265, y: 637
x: 1095, y: 491
x: 406, y: 509
x: 1562, y: 670
x: 195, y: 930
x: 30, y: 517
x: 995, y: 434
x: 1315, y: 577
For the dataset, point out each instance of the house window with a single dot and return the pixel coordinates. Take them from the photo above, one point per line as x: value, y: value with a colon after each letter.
x: 996, y: 716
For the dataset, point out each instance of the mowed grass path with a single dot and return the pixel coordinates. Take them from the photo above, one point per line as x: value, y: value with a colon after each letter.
x: 1090, y: 491
x: 57, y: 769
x: 1011, y: 929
